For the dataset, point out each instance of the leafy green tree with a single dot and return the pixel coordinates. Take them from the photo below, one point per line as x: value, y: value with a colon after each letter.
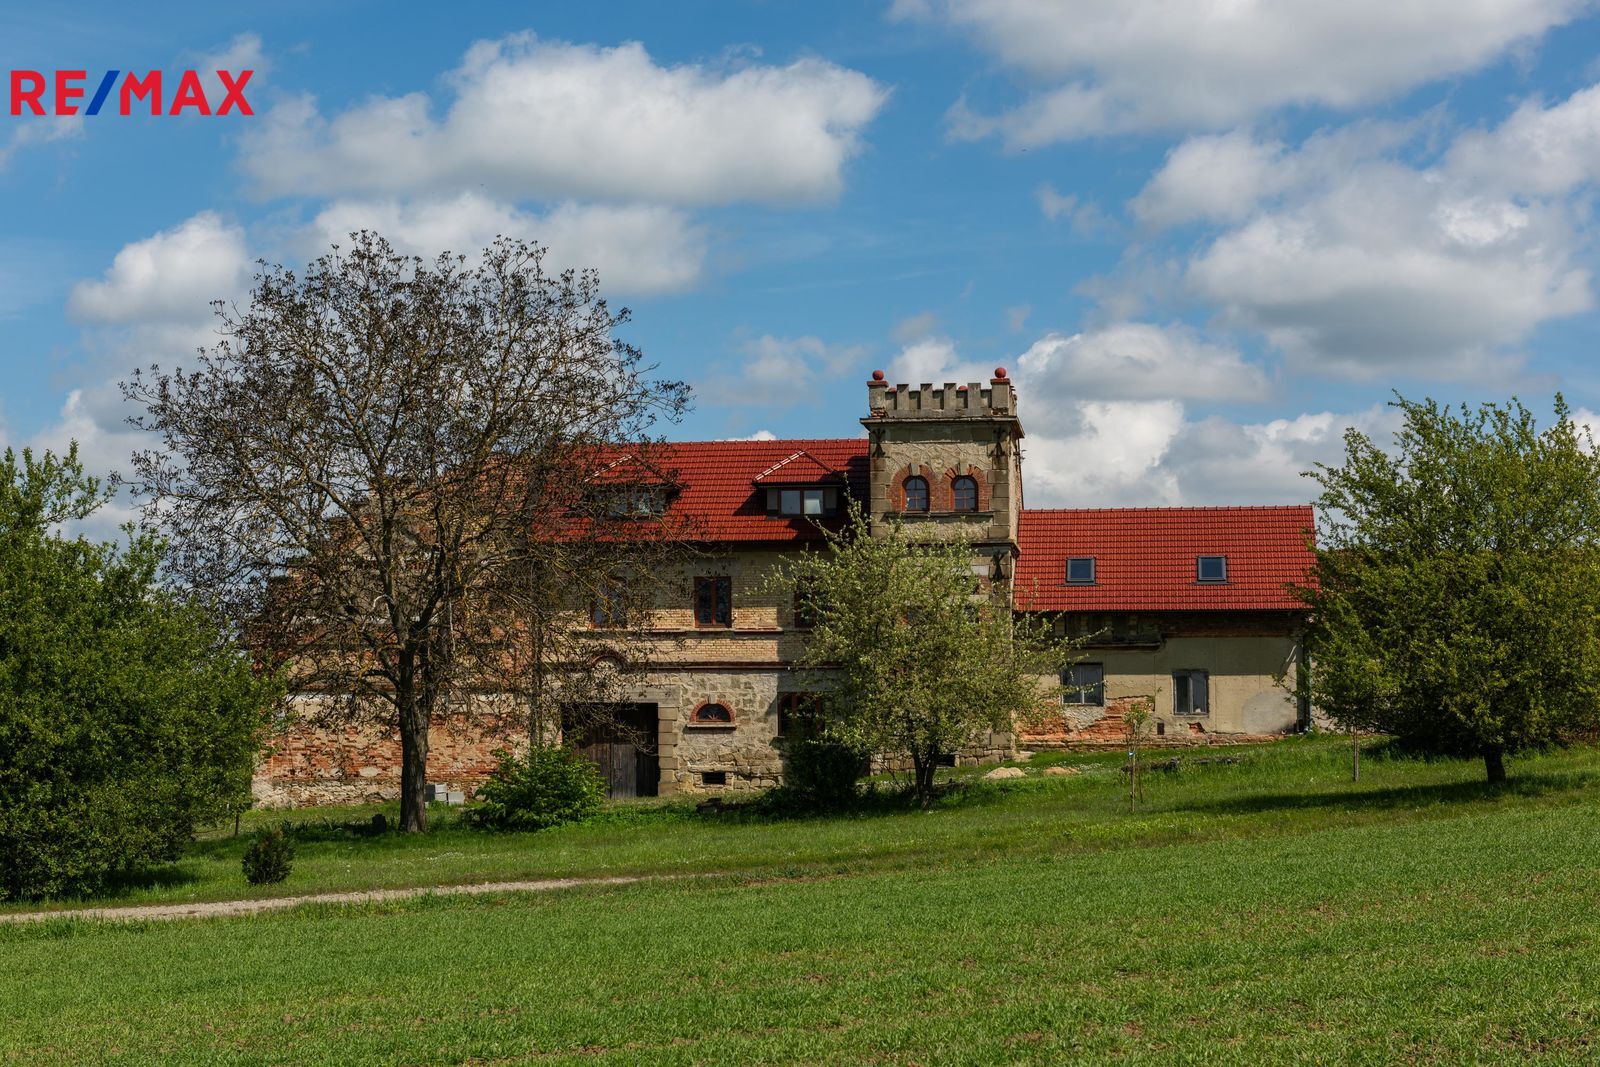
x: 1457, y: 595
x: 915, y: 657
x: 126, y: 718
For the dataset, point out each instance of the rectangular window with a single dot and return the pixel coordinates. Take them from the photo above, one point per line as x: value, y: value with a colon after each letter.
x: 1211, y: 568
x: 1085, y: 684
x: 802, y: 501
x: 635, y: 502
x: 713, y: 601
x: 805, y: 616
x: 713, y: 777
x: 1080, y: 570
x: 610, y: 607
x: 1190, y: 693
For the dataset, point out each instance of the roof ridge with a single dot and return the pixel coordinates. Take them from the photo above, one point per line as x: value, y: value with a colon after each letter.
x: 776, y: 442
x: 1168, y: 508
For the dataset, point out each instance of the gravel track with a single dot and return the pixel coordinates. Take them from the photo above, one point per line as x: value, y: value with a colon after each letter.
x: 209, y: 909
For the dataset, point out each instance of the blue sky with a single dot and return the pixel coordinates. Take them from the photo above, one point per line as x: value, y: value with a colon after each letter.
x: 1205, y: 239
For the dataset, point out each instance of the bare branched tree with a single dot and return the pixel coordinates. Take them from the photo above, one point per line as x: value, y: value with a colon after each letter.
x: 412, y: 484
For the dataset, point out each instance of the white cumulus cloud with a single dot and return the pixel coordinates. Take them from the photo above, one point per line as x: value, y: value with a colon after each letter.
x: 637, y: 248
x: 1383, y: 248
x: 537, y: 119
x: 1138, y: 360
x: 169, y: 277
x: 1105, y: 66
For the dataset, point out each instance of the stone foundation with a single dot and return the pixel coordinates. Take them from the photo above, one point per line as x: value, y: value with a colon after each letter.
x: 312, y: 765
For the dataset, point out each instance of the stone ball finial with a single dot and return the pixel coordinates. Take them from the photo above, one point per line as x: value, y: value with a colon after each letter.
x: 877, y: 375
x: 999, y: 372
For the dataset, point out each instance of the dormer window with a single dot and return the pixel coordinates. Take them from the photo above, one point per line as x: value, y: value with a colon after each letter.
x: 916, y: 493
x: 1211, y: 568
x: 803, y: 501
x: 801, y: 484
x: 635, y: 501
x: 1080, y: 570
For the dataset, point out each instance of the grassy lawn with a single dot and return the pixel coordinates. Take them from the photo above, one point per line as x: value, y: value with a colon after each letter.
x: 1291, y: 786
x: 1265, y: 911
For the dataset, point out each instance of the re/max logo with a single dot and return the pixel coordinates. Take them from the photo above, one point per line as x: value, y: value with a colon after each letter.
x: 29, y: 89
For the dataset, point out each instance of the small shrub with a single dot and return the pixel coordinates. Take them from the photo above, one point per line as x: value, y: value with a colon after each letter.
x: 548, y: 786
x: 821, y: 773
x: 269, y: 858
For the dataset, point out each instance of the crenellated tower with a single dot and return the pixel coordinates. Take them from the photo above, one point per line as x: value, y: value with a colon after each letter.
x: 948, y: 459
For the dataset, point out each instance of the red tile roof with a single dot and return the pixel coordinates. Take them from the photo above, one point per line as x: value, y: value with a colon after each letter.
x: 1145, y: 558
x: 718, y: 492
x: 800, y: 468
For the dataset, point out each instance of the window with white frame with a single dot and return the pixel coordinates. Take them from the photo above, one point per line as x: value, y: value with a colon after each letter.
x: 1190, y: 692
x: 1085, y: 684
x: 803, y: 501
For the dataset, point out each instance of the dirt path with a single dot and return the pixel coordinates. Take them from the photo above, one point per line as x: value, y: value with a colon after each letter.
x: 251, y: 907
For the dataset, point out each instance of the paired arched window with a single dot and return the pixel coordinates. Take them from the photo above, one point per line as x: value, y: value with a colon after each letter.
x: 964, y: 494
x: 916, y: 493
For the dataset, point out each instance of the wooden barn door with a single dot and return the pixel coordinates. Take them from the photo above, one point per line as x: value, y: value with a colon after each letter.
x: 621, y: 739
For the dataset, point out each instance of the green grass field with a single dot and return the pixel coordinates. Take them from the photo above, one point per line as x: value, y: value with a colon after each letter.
x: 1265, y: 911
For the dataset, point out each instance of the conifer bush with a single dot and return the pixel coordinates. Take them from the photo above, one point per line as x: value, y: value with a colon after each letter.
x: 270, y: 857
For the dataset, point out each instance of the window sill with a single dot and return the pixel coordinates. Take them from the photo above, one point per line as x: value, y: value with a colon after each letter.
x: 926, y: 515
x: 710, y: 725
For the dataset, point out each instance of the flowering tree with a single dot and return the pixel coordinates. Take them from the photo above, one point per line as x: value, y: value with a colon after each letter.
x: 915, y: 656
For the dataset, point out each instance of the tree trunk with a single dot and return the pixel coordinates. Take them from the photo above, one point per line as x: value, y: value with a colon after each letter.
x: 924, y: 768
x: 413, y: 763
x: 1494, y: 762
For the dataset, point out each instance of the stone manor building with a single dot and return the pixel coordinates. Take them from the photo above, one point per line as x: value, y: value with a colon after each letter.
x: 1189, y: 608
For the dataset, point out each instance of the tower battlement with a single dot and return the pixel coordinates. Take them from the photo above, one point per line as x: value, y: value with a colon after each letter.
x: 947, y: 462
x: 973, y: 400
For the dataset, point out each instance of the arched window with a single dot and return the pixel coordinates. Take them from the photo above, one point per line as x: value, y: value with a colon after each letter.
x: 712, y: 714
x: 964, y: 494
x: 916, y: 493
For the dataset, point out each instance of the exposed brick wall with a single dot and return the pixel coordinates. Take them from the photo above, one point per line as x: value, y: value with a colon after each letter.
x: 309, y: 765
x: 1093, y: 729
